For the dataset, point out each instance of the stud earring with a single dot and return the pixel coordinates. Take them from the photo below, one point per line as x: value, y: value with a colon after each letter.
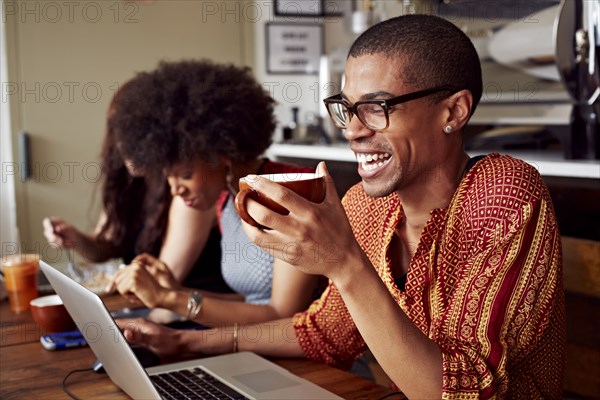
x: 448, y: 129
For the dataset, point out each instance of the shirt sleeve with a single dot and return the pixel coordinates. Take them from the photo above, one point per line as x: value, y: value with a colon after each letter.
x: 326, y: 331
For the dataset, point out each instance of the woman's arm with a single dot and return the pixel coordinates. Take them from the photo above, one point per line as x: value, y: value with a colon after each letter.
x: 187, y: 233
x: 62, y: 233
x: 292, y: 292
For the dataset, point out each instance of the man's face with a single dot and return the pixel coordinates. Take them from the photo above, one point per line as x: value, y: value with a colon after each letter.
x: 399, y: 156
x: 198, y: 183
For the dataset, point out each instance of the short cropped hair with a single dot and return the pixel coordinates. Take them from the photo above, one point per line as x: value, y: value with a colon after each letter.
x: 186, y: 110
x: 432, y: 50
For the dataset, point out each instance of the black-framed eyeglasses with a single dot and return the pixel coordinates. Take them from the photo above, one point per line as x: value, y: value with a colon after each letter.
x: 374, y: 114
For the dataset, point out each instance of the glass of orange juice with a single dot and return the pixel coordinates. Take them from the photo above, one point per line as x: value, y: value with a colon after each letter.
x: 21, y: 277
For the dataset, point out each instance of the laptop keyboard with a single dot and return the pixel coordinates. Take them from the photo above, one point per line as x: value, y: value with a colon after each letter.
x: 192, y: 384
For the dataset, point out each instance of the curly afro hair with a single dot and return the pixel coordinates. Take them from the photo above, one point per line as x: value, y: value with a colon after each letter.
x: 192, y: 109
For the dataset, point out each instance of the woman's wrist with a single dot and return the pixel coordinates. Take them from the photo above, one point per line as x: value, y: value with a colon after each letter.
x: 175, y: 300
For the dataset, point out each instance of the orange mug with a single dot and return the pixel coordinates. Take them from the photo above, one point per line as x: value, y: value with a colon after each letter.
x: 21, y: 276
x: 308, y: 185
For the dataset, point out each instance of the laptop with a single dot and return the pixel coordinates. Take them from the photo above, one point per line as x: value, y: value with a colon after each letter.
x: 237, y: 375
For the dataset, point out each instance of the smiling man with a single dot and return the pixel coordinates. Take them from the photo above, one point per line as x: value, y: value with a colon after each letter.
x: 453, y: 275
x: 447, y: 268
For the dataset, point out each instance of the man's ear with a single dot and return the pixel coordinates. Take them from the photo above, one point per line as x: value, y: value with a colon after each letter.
x: 460, y: 105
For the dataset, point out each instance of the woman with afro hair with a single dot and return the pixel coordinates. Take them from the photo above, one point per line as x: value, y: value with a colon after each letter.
x: 205, y: 125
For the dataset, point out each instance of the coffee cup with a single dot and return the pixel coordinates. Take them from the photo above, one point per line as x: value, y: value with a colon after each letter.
x: 21, y: 277
x: 308, y: 185
x: 51, y: 315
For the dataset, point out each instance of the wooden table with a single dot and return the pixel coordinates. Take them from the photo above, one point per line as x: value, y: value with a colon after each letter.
x: 29, y: 371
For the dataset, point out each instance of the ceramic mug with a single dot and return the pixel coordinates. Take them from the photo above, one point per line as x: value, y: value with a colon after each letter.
x: 308, y: 185
x: 51, y: 315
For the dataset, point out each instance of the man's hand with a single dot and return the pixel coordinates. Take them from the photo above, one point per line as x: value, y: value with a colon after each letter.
x: 317, y: 238
x: 163, y: 341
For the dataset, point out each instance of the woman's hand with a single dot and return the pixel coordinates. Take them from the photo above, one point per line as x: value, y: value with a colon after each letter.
x: 316, y: 238
x: 60, y: 232
x: 137, y: 283
x: 159, y: 270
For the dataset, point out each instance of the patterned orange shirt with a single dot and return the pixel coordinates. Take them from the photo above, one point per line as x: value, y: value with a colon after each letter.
x: 485, y: 284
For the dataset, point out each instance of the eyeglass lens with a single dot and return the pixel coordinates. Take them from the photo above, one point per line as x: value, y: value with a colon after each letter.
x: 372, y: 115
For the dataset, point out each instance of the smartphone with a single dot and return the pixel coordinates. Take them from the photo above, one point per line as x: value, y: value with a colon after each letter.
x: 63, y: 340
x: 186, y: 325
x: 141, y: 312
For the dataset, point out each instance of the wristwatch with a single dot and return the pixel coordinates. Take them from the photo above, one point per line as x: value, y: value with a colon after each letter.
x: 194, y: 304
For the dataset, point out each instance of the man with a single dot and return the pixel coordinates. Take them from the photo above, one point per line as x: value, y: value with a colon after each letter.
x: 448, y: 269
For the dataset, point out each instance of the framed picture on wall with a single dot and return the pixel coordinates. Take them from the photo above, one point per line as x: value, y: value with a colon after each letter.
x: 293, y: 48
x: 298, y: 8
x: 308, y: 8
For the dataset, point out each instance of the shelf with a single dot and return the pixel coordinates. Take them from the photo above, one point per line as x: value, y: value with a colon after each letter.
x: 547, y: 163
x: 522, y: 114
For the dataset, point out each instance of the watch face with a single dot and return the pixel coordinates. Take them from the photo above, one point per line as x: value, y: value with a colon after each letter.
x: 194, y: 304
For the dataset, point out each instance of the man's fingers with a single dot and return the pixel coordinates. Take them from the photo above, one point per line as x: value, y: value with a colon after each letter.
x: 330, y: 189
x: 131, y: 329
x: 130, y: 335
